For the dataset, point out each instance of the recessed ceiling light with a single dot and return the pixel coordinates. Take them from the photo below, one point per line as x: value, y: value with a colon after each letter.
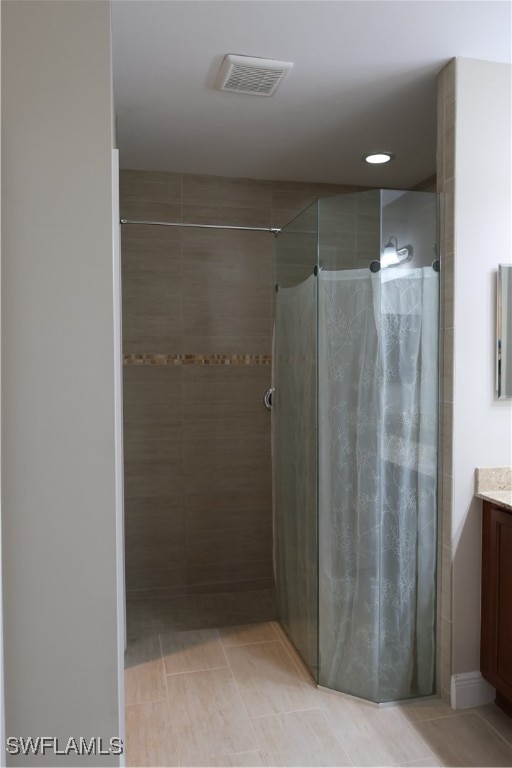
x: 377, y: 158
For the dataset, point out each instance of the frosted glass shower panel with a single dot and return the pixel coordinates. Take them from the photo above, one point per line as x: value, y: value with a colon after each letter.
x: 295, y: 252
x: 356, y: 436
x: 294, y: 431
x: 377, y: 443
x: 349, y: 230
x: 412, y: 218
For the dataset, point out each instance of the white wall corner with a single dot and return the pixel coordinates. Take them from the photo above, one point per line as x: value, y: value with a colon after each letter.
x: 469, y: 689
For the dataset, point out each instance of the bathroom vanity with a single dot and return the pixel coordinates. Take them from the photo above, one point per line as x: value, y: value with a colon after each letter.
x: 496, y: 624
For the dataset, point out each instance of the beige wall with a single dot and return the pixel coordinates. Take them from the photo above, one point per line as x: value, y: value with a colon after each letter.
x: 474, y: 174
x: 197, y: 437
x: 2, y: 708
x: 58, y: 491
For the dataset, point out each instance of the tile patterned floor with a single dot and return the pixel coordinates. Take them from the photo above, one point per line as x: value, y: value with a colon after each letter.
x: 239, y: 696
x: 153, y: 615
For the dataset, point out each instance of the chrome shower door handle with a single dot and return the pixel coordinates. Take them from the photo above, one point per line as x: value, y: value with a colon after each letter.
x: 267, y: 398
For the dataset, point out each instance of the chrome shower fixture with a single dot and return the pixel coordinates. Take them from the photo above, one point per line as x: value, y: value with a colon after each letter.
x: 392, y: 255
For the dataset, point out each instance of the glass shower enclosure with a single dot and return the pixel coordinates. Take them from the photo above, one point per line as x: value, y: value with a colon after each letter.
x: 355, y: 435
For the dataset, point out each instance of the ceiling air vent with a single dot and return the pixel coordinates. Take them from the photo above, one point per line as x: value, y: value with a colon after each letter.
x: 245, y: 74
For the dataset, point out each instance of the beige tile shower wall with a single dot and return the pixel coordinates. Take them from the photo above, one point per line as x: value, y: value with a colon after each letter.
x: 197, y: 437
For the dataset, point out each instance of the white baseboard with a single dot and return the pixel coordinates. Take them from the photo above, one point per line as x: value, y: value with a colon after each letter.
x: 469, y: 689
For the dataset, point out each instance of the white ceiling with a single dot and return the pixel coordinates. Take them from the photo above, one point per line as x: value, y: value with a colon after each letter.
x: 364, y: 78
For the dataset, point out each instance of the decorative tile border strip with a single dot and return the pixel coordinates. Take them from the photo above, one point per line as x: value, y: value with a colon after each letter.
x: 145, y: 358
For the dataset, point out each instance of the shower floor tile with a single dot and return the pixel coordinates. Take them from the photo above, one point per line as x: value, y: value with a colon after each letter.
x: 192, y: 651
x: 160, y: 614
x: 239, y: 695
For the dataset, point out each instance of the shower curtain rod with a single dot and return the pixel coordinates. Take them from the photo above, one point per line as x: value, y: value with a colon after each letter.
x: 273, y: 230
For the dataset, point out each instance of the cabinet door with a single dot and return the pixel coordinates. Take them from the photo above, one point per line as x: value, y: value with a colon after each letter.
x: 497, y: 599
x: 504, y: 597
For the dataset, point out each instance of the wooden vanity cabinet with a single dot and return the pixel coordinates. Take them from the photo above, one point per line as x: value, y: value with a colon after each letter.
x: 496, y: 631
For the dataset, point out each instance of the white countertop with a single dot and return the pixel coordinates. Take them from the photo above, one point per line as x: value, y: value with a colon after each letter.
x: 501, y: 498
x: 494, y: 484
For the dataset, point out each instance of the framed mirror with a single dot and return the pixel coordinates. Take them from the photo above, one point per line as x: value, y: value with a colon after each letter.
x: 504, y: 333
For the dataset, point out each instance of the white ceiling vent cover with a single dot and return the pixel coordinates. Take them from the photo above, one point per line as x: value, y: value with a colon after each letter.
x: 245, y: 74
